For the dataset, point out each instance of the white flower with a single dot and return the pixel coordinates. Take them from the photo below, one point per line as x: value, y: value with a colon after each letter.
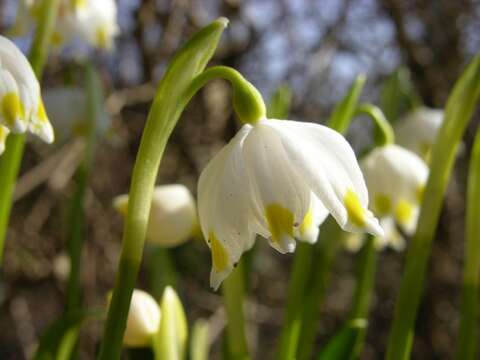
x: 417, y: 130
x: 143, y: 320
x: 270, y: 180
x: 173, y: 215
x: 96, y: 22
x: 21, y: 105
x: 395, y: 178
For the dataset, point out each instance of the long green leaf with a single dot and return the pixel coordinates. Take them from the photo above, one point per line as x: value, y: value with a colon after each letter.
x: 345, y: 109
x: 467, y: 348
x: 458, y: 112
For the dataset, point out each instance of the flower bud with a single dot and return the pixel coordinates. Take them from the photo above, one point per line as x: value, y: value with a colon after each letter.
x: 143, y: 320
x: 173, y: 215
x: 173, y: 332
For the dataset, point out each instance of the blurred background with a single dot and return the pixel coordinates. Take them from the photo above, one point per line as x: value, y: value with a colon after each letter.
x: 317, y: 47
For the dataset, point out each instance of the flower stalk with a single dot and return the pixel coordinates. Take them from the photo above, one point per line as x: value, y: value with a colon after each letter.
x: 171, y: 98
x: 468, y: 335
x: 77, y: 220
x: 12, y: 157
x: 458, y: 112
x: 233, y: 294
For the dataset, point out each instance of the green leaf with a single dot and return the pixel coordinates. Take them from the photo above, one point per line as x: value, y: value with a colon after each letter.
x: 60, y: 339
x: 279, y: 106
x: 341, y: 346
x: 345, y: 109
x: 171, y: 340
x: 199, y: 346
x: 398, y: 94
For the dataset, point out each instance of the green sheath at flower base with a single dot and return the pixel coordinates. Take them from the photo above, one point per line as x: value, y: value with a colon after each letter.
x: 460, y: 106
x: 247, y: 100
x: 171, y: 98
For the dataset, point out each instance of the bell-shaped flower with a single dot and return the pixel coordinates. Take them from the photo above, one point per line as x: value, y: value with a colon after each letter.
x: 21, y: 105
x: 279, y: 179
x: 396, y: 178
x: 96, y: 22
x: 173, y: 215
x: 417, y: 130
x: 143, y: 320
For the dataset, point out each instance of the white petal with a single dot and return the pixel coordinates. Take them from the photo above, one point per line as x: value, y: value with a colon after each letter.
x: 310, y: 227
x: 392, y: 237
x: 224, y: 208
x: 4, y: 131
x: 396, y: 178
x: 281, y: 197
x: 328, y: 165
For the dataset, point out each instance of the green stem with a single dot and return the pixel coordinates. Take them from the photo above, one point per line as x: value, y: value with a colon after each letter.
x: 77, y: 218
x: 383, y: 127
x: 363, y: 292
x: 162, y: 270
x: 324, y: 254
x: 11, y: 158
x: 458, y: 112
x: 297, y: 286
x: 468, y: 340
x: 199, y: 345
x: 233, y: 293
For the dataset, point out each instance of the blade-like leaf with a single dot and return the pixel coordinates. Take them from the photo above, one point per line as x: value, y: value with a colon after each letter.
x: 345, y: 109
x: 341, y: 346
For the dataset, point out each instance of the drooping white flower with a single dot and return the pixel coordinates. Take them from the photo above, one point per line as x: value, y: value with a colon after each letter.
x: 96, y: 22
x: 93, y: 21
x: 173, y: 215
x: 143, y: 320
x: 21, y: 105
x: 270, y: 179
x: 395, y: 179
x: 417, y: 130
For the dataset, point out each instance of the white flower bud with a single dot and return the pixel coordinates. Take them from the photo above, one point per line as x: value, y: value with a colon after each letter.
x: 143, y: 320
x: 173, y: 215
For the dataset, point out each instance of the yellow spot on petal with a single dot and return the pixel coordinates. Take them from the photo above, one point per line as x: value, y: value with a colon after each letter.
x: 12, y: 108
x: 219, y: 254
x: 419, y: 193
x: 78, y: 4
x: 101, y: 38
x: 356, y: 213
x: 41, y: 113
x: 382, y: 204
x: 307, y: 222
x: 404, y: 212
x: 280, y: 221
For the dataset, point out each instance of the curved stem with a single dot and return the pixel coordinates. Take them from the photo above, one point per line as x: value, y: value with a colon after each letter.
x: 467, y: 338
x: 12, y: 157
x: 170, y: 101
x: 247, y: 101
x: 458, y: 112
x: 384, y: 128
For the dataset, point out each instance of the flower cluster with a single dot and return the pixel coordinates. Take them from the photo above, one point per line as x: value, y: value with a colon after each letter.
x: 21, y: 105
x: 94, y: 21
